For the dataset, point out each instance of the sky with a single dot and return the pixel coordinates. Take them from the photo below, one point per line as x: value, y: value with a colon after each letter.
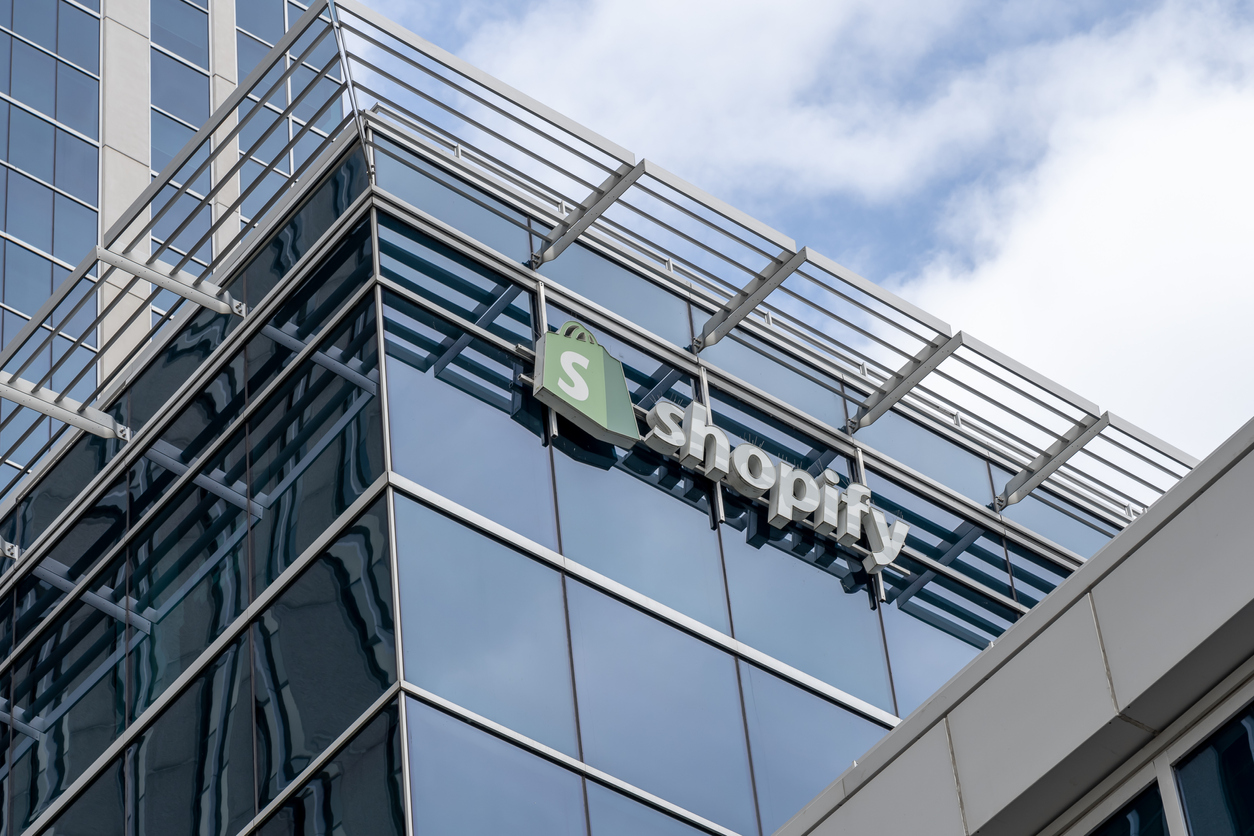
x: 1071, y: 182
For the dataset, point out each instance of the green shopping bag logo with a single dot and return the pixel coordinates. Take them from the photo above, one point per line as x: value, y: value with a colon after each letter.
x: 584, y: 384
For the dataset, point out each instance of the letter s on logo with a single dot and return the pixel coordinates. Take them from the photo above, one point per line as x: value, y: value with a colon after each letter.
x: 578, y: 387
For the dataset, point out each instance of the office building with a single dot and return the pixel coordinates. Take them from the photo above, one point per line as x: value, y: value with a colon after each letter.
x: 312, y: 540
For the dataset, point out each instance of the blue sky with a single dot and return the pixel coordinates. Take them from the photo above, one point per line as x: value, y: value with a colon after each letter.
x: 1068, y: 181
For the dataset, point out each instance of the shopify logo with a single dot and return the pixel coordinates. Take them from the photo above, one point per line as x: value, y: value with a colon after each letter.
x: 579, y: 379
x: 793, y: 495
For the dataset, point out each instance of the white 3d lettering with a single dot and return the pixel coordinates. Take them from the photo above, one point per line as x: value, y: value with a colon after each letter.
x: 793, y: 495
x: 578, y: 387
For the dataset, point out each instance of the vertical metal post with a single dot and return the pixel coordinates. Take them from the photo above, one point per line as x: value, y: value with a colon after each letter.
x: 542, y: 328
x: 718, y: 514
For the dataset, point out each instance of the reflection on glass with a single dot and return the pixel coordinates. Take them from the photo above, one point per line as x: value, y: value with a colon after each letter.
x: 631, y: 523
x: 1067, y: 526
x: 1144, y: 817
x: 465, y: 782
x: 1217, y: 780
x: 660, y: 709
x: 100, y: 809
x: 1034, y: 576
x: 930, y: 454
x: 484, y: 626
x: 464, y: 426
x: 801, y: 615
x: 614, y: 814
x: 801, y: 743
x: 923, y: 658
x: 776, y: 374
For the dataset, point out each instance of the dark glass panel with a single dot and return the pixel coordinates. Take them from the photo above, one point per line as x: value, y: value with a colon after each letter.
x: 77, y: 167
x: 263, y: 18
x: 1059, y: 521
x: 455, y: 202
x: 193, y: 767
x: 60, y: 486
x: 324, y: 651
x: 360, y: 791
x: 627, y: 294
x: 614, y: 814
x: 31, y: 144
x: 1144, y: 817
x: 454, y: 282
x: 78, y: 37
x: 78, y: 100
x: 484, y: 626
x: 464, y: 425
x: 1034, y: 576
x: 34, y: 226
x: 99, y: 811
x: 930, y: 454
x: 168, y: 138
x: 465, y: 782
x: 73, y: 230
x: 35, y: 78
x: 1217, y: 781
x: 182, y: 29
x: 923, y: 658
x: 179, y: 90
x: 744, y: 423
x: 660, y: 709
x: 801, y: 743
x: 184, y: 224
x: 802, y: 615
x: 37, y: 20
x: 778, y: 374
x: 643, y: 521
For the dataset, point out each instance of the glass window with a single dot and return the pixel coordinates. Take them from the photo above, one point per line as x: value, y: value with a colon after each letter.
x: 28, y: 276
x: 1217, y: 781
x: 100, y: 809
x: 34, y: 78
x: 466, y: 426
x: 179, y: 90
x: 78, y: 100
x: 77, y: 167
x: 923, y: 658
x: 263, y: 136
x: 359, y: 791
x: 263, y: 18
x: 78, y: 37
x: 1056, y: 520
x: 627, y: 294
x: 800, y: 742
x: 660, y: 709
x: 614, y: 814
x: 181, y: 28
x: 465, y: 781
x: 744, y: 423
x: 458, y: 204
x: 930, y: 454
x: 640, y: 519
x: 73, y: 231
x: 168, y: 138
x: 34, y: 226
x: 802, y: 615
x: 777, y: 374
x: 322, y: 105
x: 484, y: 626
x: 31, y: 144
x: 1143, y: 817
x: 1034, y: 576
x: 37, y: 20
x: 248, y: 54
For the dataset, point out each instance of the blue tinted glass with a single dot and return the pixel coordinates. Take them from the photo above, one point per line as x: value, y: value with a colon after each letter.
x: 801, y: 743
x: 614, y: 814
x: 1045, y: 515
x: 179, y: 90
x: 1144, y: 817
x: 774, y: 373
x: 744, y: 423
x: 74, y: 232
x: 248, y: 54
x: 4, y: 127
x: 634, y: 524
x: 1217, y: 781
x: 627, y: 294
x: 484, y: 626
x: 923, y: 658
x: 931, y: 455
x: 463, y: 425
x: 78, y: 37
x: 457, y: 204
x: 168, y: 139
x: 1034, y: 576
x: 182, y: 29
x: 31, y: 144
x: 78, y: 100
x: 34, y: 223
x: 77, y: 167
x: 34, y: 78
x: 263, y: 18
x: 660, y: 709
x: 37, y: 20
x: 801, y: 615
x: 6, y: 47
x: 466, y: 782
x: 27, y: 280
x: 100, y: 809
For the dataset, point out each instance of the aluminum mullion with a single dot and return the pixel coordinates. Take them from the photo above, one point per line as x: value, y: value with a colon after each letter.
x: 210, y: 654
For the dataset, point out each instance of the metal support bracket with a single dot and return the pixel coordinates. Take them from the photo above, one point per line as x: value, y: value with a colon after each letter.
x: 199, y: 292
x: 1026, y: 480
x: 897, y: 386
x: 742, y: 304
x: 967, y: 533
x: 574, y: 224
x: 321, y: 358
x: 63, y: 409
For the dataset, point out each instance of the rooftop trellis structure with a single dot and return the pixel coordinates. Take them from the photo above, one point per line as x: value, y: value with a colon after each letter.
x: 343, y: 74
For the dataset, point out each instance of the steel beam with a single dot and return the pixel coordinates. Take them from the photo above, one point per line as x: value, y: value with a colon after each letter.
x: 1026, y: 480
x: 67, y: 411
x: 594, y: 207
x: 759, y: 287
x: 204, y: 294
x: 896, y: 387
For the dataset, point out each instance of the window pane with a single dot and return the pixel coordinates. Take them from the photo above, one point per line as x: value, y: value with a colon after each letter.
x: 466, y: 782
x: 660, y: 709
x: 614, y: 814
x: 28, y: 277
x: 35, y: 78
x: 1143, y: 817
x: 801, y: 743
x: 98, y: 810
x: 1035, y: 577
x: 182, y: 29
x: 791, y: 609
x: 634, y: 522
x: 1217, y: 780
x: 34, y: 226
x: 465, y: 426
x: 37, y: 20
x: 627, y: 294
x: 168, y: 139
x: 263, y: 18
x: 923, y: 657
x: 180, y: 90
x: 77, y: 167
x: 1070, y: 528
x: 484, y: 626
x: 78, y: 100
x: 31, y: 144
x: 930, y: 454
x: 74, y: 230
x: 78, y: 37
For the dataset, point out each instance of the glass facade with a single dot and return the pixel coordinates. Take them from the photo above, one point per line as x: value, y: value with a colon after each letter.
x: 349, y: 574
x: 1217, y: 781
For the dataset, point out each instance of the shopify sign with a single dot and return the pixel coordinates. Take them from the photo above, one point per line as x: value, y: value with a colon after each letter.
x: 584, y: 384
x: 793, y: 496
